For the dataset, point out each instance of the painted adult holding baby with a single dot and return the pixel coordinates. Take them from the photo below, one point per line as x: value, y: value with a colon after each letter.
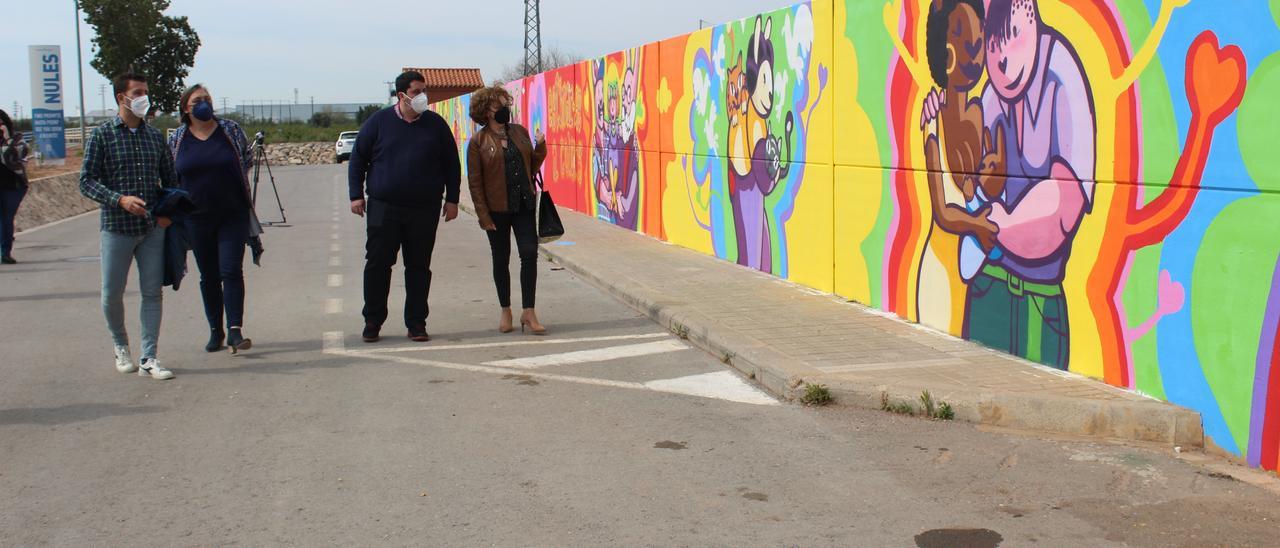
x: 1038, y: 105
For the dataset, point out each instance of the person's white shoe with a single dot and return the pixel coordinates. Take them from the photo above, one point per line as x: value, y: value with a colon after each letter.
x: 124, y: 361
x: 151, y: 366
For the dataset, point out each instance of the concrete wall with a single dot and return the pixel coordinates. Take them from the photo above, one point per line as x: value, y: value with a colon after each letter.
x: 1124, y: 226
x: 52, y: 199
x: 58, y: 197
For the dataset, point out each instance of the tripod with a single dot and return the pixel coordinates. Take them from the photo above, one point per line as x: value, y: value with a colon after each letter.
x: 259, y: 160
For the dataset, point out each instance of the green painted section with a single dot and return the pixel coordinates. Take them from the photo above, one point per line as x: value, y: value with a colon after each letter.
x: 865, y: 27
x: 1256, y: 124
x: 1228, y: 324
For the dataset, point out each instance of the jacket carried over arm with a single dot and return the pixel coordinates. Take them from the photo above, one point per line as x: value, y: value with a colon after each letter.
x: 486, y: 174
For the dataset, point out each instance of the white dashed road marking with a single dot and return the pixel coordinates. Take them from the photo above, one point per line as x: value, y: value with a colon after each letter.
x: 595, y: 355
x: 721, y: 385
x: 333, y: 343
x: 335, y: 280
x: 534, y: 342
x: 333, y: 306
x: 724, y: 385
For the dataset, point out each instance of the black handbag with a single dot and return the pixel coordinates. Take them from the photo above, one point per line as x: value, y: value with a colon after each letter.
x: 550, y: 228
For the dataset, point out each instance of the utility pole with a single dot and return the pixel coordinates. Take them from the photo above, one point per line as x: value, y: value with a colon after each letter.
x: 391, y: 90
x: 224, y: 105
x: 313, y: 106
x: 702, y: 22
x: 102, y: 94
x: 80, y: 70
x: 295, y: 96
x: 532, y: 37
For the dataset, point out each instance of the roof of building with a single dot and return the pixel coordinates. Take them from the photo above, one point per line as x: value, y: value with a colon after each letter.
x: 439, y: 78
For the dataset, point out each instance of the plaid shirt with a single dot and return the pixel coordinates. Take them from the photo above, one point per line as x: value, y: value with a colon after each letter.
x: 119, y: 162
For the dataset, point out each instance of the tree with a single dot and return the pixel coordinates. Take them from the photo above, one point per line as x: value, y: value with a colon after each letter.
x: 136, y: 36
x: 365, y: 112
x: 322, y: 119
x: 552, y: 58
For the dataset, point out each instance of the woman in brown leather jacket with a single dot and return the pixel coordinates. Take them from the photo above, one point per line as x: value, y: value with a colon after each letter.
x: 501, y: 161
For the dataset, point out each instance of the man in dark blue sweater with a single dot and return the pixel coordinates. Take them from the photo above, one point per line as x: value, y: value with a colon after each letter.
x: 406, y: 160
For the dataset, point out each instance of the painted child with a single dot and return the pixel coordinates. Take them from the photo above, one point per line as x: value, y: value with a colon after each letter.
x: 973, y: 157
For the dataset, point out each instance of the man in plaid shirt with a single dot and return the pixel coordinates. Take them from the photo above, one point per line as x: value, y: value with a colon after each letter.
x: 126, y: 163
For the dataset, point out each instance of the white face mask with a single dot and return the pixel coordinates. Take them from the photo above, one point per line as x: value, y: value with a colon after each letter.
x: 140, y: 105
x: 419, y: 103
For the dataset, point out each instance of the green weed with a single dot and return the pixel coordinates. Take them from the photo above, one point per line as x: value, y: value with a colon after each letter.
x: 939, y: 410
x: 815, y: 394
x: 901, y: 408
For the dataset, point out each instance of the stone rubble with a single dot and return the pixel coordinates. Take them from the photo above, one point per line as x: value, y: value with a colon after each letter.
x: 297, y: 154
x: 58, y: 197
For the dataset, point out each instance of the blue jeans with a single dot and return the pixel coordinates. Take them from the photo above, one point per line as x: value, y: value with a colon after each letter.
x: 218, y: 241
x: 119, y: 251
x: 9, y: 200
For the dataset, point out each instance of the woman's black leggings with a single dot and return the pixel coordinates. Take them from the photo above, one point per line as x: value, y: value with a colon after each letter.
x: 218, y: 242
x: 526, y: 231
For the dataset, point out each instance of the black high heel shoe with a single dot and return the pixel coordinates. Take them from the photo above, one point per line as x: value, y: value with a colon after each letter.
x: 236, y: 342
x: 216, y: 336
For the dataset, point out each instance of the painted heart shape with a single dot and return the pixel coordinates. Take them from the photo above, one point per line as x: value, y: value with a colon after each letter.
x: 1215, y: 78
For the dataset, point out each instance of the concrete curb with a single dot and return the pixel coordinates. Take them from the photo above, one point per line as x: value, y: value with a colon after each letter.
x: 1145, y: 421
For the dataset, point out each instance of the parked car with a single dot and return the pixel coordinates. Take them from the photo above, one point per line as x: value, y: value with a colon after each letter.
x: 346, y: 143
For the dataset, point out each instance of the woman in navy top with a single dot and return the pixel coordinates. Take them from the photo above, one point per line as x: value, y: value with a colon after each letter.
x: 212, y: 157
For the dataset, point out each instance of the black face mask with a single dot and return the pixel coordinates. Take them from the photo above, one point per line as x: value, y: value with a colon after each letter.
x: 503, y: 115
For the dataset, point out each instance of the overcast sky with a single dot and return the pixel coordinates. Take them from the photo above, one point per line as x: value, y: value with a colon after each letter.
x: 342, y: 51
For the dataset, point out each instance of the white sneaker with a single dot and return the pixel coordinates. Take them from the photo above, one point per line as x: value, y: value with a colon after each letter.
x: 124, y: 361
x: 151, y: 366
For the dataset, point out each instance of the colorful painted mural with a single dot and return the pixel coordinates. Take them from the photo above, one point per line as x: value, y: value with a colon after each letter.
x: 1084, y: 183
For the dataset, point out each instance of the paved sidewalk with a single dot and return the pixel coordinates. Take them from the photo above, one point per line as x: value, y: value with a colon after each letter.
x: 784, y: 336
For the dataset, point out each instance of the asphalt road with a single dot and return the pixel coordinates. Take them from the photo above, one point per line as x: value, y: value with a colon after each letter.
x: 607, y: 431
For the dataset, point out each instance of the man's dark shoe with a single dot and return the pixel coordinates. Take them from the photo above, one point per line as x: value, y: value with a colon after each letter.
x: 370, y: 333
x: 216, y: 336
x: 419, y: 334
x: 8, y: 259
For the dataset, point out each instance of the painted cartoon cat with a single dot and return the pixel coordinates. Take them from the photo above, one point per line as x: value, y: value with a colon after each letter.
x: 756, y: 162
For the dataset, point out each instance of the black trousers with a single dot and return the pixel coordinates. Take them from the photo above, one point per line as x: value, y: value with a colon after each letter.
x: 525, y: 228
x: 393, y: 229
x: 218, y: 241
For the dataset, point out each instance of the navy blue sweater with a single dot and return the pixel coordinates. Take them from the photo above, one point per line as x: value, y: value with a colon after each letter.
x: 408, y: 164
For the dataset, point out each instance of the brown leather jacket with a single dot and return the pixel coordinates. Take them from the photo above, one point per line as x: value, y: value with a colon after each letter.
x: 486, y: 173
